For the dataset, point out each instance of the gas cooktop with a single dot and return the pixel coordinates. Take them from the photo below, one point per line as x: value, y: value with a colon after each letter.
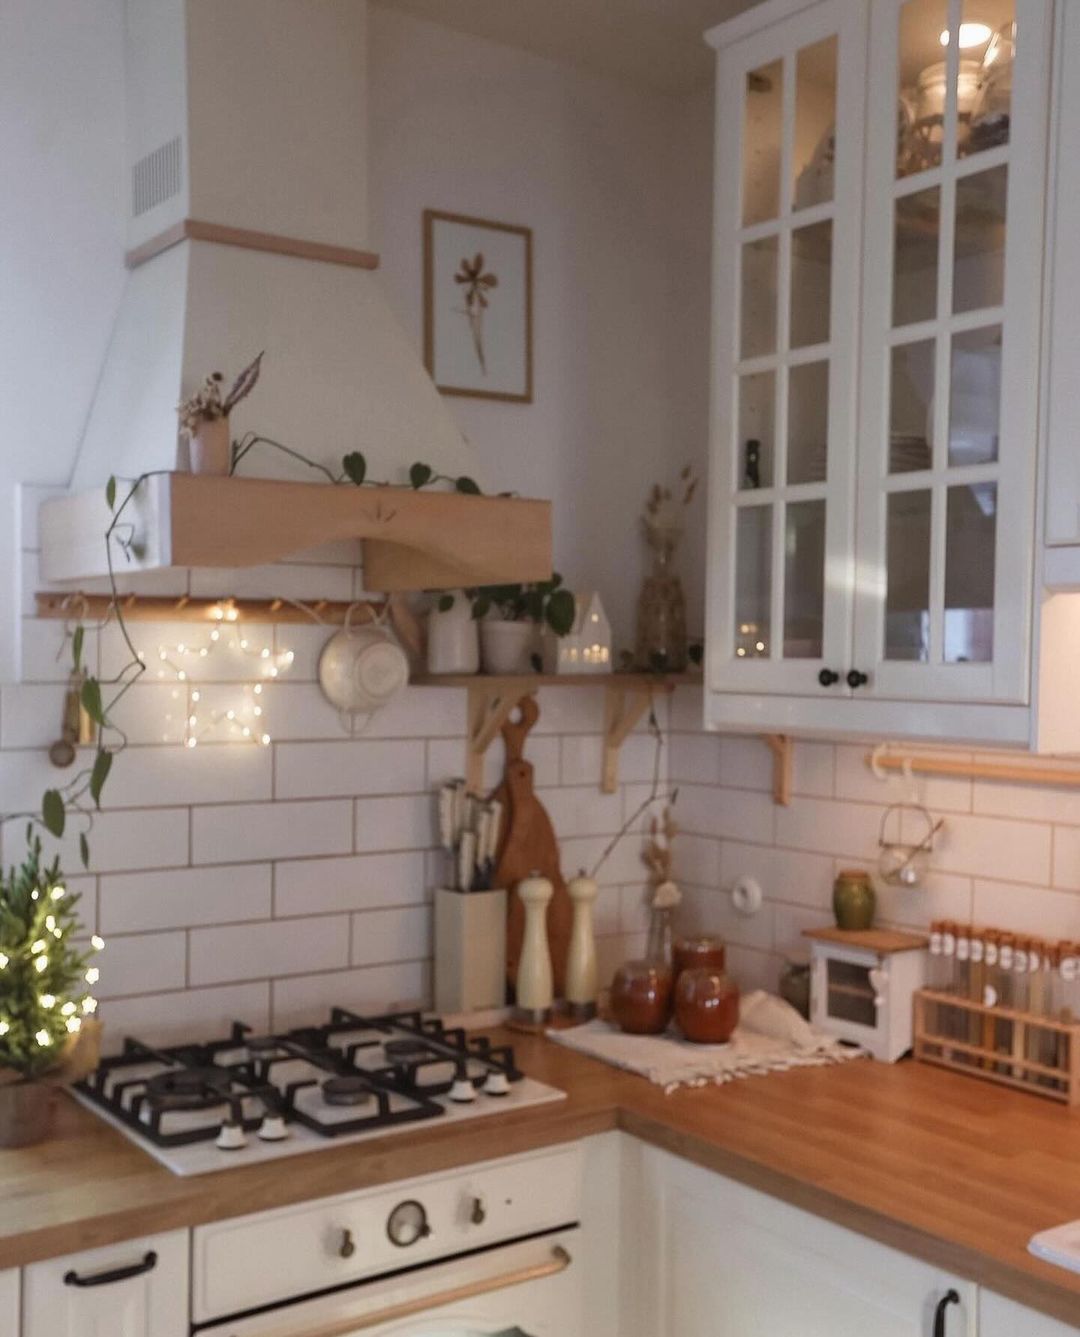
x: 247, y: 1097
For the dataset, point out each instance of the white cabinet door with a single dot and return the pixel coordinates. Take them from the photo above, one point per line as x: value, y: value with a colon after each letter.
x: 9, y: 1303
x: 949, y: 366
x: 736, y: 1263
x: 135, y: 1289
x: 999, y: 1317
x: 787, y: 235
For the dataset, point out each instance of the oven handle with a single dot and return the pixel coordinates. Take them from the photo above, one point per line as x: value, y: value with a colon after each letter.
x: 559, y: 1261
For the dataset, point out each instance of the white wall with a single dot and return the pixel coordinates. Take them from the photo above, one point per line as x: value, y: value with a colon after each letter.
x: 615, y: 185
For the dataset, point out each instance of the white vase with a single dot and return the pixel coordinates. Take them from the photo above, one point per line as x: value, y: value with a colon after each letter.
x: 210, y: 449
x: 508, y: 647
x: 453, y: 642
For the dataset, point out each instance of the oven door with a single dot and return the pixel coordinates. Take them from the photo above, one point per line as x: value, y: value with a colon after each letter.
x: 530, y: 1289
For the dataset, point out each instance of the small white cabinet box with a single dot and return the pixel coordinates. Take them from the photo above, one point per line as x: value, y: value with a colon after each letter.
x: 861, y: 986
x: 135, y: 1289
x: 9, y: 1302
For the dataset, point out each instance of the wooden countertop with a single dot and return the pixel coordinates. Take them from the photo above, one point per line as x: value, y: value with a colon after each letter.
x: 941, y: 1166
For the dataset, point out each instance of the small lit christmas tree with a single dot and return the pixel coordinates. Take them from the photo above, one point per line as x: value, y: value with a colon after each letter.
x: 45, y: 980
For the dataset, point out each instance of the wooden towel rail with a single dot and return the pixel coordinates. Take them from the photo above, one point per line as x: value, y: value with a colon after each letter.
x: 1062, y: 776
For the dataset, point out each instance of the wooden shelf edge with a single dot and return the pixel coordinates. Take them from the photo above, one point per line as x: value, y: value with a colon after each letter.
x: 524, y: 683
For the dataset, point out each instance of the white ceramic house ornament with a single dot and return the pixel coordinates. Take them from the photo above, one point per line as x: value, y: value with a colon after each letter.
x: 587, y: 646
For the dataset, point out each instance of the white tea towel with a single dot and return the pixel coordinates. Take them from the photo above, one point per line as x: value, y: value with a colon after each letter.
x: 770, y: 1037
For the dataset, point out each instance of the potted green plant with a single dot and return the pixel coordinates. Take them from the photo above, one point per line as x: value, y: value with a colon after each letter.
x: 48, y: 1035
x: 511, y: 617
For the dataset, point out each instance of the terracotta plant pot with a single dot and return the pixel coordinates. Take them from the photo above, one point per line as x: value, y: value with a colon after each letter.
x: 211, y: 448
x: 641, y: 997
x: 508, y: 647
x: 27, y: 1111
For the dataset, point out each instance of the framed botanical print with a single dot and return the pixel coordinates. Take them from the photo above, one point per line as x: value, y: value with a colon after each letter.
x: 478, y: 306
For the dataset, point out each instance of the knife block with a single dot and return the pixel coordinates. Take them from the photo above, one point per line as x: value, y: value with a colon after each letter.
x: 470, y: 950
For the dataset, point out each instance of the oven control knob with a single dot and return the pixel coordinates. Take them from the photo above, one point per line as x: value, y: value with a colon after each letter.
x: 273, y: 1128
x: 407, y: 1223
x: 231, y: 1137
x: 462, y: 1091
x: 497, y: 1084
x: 477, y: 1212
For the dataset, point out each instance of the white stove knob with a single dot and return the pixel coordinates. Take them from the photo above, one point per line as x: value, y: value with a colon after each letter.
x: 274, y: 1128
x: 497, y: 1084
x: 231, y: 1137
x: 463, y: 1091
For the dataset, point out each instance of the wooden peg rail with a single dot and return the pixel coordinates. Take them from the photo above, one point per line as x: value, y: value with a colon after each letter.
x: 185, y: 608
x: 1063, y: 777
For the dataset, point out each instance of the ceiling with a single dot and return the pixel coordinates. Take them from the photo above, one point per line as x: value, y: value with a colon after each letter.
x: 656, y: 44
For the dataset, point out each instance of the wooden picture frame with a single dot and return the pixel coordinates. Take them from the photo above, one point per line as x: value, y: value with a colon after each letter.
x: 478, y: 339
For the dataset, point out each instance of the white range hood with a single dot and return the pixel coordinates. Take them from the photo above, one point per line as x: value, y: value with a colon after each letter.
x: 247, y: 230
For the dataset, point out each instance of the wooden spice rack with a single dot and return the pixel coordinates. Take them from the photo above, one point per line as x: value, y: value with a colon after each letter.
x: 1024, y: 1050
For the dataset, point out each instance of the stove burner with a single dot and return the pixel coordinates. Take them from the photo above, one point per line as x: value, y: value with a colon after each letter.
x: 346, y: 1091
x: 188, y: 1089
x: 261, y: 1044
x: 407, y: 1049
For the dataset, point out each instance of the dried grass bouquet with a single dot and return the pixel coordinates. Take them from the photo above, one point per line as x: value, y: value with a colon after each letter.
x: 208, y: 404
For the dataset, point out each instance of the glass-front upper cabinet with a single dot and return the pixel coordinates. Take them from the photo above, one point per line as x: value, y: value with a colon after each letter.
x: 950, y: 348
x: 790, y: 122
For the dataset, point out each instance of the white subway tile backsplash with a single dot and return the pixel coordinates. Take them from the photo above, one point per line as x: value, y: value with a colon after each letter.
x: 214, y: 773
x: 266, y: 951
x: 731, y: 813
x: 1066, y: 866
x: 246, y: 832
x: 120, y: 841
x: 420, y: 712
x: 325, y: 770
x: 1027, y: 909
x: 172, y: 1018
x: 827, y: 827
x: 305, y: 1000
x: 695, y: 758
x: 183, y: 898
x: 995, y: 847
x: 142, y: 963
x: 406, y: 823
x: 391, y: 935
x: 359, y: 882
x: 856, y: 781
x: 582, y: 810
x: 783, y: 875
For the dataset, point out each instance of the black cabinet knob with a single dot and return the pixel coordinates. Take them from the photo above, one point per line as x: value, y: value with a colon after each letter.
x: 856, y: 679
x: 949, y: 1298
x: 827, y: 677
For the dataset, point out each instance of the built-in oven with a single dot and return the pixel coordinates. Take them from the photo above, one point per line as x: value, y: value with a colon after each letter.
x: 532, y: 1288
x: 490, y: 1250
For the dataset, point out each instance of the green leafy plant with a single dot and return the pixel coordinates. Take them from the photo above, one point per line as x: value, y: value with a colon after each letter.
x: 545, y: 602
x: 45, y: 980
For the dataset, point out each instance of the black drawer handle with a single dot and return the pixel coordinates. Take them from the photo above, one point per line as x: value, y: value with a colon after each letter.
x: 856, y: 679
x: 949, y: 1298
x: 827, y: 677
x: 148, y: 1264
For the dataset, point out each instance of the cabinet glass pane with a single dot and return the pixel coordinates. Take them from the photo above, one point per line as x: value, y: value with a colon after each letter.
x: 753, y: 581
x: 915, y: 256
x: 911, y: 407
x: 850, y: 993
x: 804, y: 579
x: 757, y: 416
x: 808, y: 423
x: 762, y: 126
x: 988, y: 49
x: 759, y: 297
x: 907, y: 594
x: 975, y: 396
x: 921, y: 85
x: 814, y: 150
x: 970, y: 542
x: 811, y: 284
x: 979, y: 253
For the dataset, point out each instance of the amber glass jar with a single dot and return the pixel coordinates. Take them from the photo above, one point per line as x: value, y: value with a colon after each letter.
x: 706, y: 1005
x: 703, y: 951
x: 641, y: 997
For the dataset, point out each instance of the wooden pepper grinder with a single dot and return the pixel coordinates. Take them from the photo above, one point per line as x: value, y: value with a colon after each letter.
x: 535, y: 983
x: 581, y: 974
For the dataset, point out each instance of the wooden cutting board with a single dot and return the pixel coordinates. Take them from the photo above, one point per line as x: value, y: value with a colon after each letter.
x: 528, y: 845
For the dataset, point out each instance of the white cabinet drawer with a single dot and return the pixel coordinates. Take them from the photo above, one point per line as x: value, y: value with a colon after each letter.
x: 135, y: 1289
x: 9, y: 1302
x: 258, y: 1260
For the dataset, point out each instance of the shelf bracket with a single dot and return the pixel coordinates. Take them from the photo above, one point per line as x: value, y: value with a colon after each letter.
x: 623, y: 708
x: 489, y: 708
x: 782, y: 749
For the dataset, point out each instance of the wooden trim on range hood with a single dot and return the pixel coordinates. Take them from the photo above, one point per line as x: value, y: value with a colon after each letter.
x: 410, y: 540
x: 196, y: 229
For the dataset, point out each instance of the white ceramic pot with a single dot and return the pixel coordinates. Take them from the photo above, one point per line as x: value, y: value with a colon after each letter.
x: 508, y: 647
x: 453, y: 641
x: 210, y: 448
x: 362, y: 669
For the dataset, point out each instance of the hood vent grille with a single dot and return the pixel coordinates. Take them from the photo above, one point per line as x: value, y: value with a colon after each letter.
x: 156, y: 177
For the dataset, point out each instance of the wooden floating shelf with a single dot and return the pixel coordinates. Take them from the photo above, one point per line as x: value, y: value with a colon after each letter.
x: 410, y: 540
x: 181, y: 608
x: 526, y: 683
